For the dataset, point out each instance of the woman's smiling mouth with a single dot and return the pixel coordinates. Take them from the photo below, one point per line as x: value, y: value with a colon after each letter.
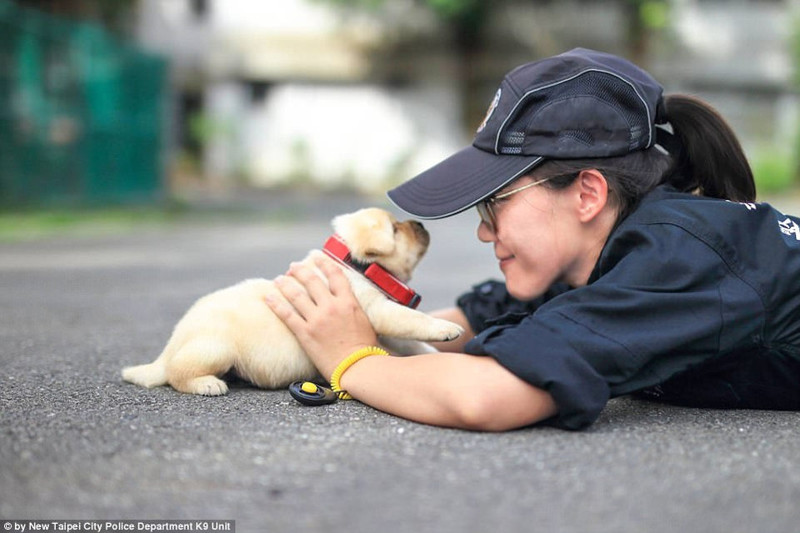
x: 505, y: 260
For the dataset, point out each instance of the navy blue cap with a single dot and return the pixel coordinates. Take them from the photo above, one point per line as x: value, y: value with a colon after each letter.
x: 579, y: 104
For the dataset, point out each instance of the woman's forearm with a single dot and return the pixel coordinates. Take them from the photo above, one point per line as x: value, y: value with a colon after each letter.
x: 448, y: 389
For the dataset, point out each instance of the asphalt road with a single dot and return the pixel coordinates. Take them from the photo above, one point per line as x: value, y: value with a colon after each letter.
x: 78, y: 443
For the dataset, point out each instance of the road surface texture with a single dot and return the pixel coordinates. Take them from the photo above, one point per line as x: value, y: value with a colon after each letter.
x: 76, y: 442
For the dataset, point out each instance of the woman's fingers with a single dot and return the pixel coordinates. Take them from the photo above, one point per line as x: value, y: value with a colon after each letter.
x: 316, y: 288
x: 296, y: 294
x: 337, y: 281
x: 308, y: 292
x: 287, y: 313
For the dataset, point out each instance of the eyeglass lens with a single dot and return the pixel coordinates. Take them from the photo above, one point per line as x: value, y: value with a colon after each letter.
x: 486, y: 213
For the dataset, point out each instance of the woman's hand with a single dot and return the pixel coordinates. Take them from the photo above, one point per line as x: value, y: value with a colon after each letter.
x: 326, y: 318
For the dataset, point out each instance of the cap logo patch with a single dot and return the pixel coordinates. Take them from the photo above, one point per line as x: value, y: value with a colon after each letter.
x: 491, y: 109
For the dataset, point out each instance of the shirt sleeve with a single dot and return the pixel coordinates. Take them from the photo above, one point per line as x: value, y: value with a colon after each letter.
x: 490, y: 301
x: 660, y: 302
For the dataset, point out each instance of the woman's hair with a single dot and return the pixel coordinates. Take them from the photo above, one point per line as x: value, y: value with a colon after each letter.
x: 704, y: 157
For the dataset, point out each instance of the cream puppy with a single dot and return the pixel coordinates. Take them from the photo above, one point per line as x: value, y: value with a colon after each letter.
x: 234, y: 330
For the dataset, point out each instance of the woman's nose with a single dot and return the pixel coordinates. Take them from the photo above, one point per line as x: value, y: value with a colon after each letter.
x: 485, y: 234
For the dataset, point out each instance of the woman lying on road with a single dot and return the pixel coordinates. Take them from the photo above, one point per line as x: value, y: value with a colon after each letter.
x: 626, y: 270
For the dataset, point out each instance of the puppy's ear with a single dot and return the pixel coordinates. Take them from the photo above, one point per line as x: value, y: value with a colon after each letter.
x: 369, y: 233
x: 380, y: 241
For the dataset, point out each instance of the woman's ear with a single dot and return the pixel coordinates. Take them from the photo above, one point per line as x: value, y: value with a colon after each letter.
x: 593, y: 194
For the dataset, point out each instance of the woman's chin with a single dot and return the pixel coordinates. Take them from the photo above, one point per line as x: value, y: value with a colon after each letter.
x: 524, y: 291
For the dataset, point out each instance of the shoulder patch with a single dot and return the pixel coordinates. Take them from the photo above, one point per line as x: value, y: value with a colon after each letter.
x: 789, y: 227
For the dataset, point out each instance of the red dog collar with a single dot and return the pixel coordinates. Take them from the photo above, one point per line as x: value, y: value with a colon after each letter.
x: 382, y: 278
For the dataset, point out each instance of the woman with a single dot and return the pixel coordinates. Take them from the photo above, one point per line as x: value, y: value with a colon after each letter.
x: 625, y: 268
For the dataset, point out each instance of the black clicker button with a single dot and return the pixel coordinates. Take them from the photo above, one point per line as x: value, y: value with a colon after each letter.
x: 309, y: 393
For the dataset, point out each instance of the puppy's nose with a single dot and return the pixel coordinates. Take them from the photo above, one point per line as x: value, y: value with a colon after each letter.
x: 420, y: 232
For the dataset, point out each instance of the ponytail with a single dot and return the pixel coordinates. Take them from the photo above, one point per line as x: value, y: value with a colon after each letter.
x: 709, y: 159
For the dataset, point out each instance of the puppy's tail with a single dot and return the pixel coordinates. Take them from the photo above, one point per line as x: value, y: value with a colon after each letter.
x: 149, y: 375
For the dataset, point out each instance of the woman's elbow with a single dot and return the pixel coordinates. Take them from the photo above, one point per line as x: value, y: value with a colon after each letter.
x: 479, y: 418
x: 488, y: 412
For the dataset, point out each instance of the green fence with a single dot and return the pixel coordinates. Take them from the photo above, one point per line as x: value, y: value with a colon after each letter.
x: 81, y: 114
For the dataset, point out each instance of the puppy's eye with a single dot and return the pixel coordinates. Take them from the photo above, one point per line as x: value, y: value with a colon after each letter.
x: 395, y: 229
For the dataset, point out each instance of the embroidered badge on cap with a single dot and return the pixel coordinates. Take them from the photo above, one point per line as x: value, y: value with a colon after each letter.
x: 491, y: 109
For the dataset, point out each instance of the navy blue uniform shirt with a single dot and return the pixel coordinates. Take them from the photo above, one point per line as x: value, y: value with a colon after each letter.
x: 693, y: 300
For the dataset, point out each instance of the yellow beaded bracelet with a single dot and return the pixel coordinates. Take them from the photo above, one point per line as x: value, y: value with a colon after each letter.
x: 349, y: 361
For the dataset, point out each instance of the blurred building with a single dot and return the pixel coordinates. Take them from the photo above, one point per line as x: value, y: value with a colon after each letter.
x: 290, y: 91
x: 298, y: 91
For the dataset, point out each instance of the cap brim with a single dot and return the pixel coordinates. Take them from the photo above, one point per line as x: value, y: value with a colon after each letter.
x: 459, y: 182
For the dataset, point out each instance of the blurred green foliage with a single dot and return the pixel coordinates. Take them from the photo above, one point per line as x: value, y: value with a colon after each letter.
x: 774, y: 169
x: 654, y: 14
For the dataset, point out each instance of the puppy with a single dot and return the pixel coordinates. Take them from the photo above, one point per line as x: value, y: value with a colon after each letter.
x: 233, y: 329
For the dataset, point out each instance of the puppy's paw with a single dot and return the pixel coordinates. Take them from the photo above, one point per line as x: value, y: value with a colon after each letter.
x: 208, y: 386
x: 444, y: 330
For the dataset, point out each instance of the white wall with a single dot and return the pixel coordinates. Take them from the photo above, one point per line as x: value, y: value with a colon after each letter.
x: 359, y: 135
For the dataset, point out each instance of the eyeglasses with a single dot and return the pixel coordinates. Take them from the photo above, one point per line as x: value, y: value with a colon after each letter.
x: 486, y: 208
